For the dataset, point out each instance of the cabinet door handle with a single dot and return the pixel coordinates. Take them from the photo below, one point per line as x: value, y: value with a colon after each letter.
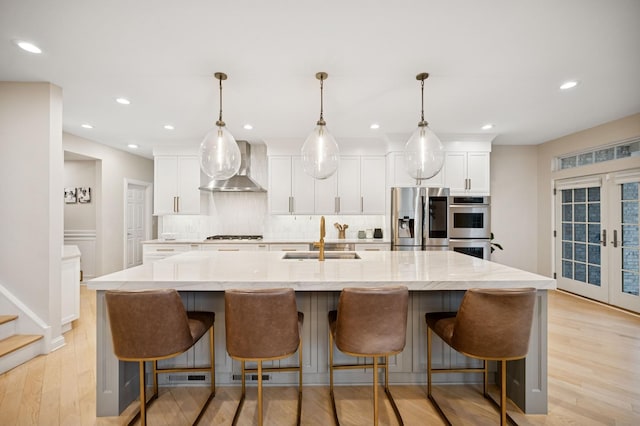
x: 174, y: 204
x: 603, y: 241
x: 165, y: 249
x: 178, y: 204
x: 361, y: 204
x: 615, y: 238
x: 290, y: 204
x: 336, y: 204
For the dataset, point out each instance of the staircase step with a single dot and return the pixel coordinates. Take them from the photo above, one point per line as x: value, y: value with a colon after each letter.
x: 17, y: 341
x: 7, y: 318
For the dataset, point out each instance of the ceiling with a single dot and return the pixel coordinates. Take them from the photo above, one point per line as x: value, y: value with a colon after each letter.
x: 492, y: 61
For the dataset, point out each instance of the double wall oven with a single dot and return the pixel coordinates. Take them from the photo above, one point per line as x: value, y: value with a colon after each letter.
x: 470, y: 225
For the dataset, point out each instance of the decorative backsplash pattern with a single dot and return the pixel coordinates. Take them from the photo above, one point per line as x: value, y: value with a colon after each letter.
x: 235, y: 216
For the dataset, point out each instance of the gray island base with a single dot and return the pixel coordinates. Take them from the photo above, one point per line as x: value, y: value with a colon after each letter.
x: 436, y: 280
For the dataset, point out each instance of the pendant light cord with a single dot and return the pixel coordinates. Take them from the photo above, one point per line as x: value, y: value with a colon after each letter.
x: 321, y: 99
x: 220, y: 122
x: 422, y: 101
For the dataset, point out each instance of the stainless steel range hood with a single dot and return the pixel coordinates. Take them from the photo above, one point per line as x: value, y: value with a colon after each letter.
x: 242, y: 181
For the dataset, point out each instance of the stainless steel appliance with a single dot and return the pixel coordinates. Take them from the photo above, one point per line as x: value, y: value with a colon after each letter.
x: 419, y: 218
x: 472, y: 247
x: 469, y: 217
x: 470, y: 226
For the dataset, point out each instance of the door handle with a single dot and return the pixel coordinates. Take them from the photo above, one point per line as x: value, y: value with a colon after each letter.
x: 615, y: 238
x: 603, y: 241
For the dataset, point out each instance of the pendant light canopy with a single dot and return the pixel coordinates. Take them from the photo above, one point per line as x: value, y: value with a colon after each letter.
x: 219, y: 152
x: 320, y: 153
x: 423, y: 153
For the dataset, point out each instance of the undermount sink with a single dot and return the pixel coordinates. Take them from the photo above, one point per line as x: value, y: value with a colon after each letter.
x: 328, y: 255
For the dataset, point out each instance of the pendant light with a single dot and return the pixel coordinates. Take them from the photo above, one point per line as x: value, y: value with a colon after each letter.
x: 219, y: 152
x: 320, y: 154
x: 423, y: 153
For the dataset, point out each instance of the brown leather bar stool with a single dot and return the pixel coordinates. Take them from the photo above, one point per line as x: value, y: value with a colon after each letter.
x: 153, y: 325
x: 263, y: 325
x: 369, y: 322
x: 491, y: 325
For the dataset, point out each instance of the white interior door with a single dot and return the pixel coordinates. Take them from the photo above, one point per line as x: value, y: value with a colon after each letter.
x: 597, y: 238
x: 135, y: 224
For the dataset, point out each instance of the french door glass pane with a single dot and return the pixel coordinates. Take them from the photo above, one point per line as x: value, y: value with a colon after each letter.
x: 581, y: 259
x: 630, y: 240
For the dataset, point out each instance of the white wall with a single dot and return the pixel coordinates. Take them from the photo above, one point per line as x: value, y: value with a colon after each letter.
x: 31, y: 169
x: 112, y: 167
x: 514, y: 200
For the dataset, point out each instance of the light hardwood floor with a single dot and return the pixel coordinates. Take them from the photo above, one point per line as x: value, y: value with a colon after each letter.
x: 594, y: 379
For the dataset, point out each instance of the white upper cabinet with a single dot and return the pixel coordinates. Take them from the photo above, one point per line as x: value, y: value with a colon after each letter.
x: 373, y: 185
x: 176, y: 182
x: 467, y: 173
x: 349, y: 186
x: 291, y: 190
x: 400, y: 177
x: 357, y: 187
x: 326, y: 194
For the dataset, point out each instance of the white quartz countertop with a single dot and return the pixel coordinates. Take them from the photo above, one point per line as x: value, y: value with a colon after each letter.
x: 418, y: 270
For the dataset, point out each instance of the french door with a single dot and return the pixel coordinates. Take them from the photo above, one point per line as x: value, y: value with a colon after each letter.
x: 597, y: 237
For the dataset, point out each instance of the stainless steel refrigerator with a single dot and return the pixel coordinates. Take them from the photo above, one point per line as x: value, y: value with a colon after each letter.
x: 419, y: 218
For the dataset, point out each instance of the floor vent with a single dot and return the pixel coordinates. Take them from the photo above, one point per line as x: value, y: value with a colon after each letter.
x: 251, y: 377
x: 185, y: 378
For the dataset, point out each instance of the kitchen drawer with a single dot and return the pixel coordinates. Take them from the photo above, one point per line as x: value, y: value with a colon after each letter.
x: 153, y: 252
x: 289, y: 247
x: 373, y: 247
x: 236, y: 247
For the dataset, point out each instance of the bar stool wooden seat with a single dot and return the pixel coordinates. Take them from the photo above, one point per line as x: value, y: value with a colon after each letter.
x: 491, y: 325
x: 263, y: 325
x: 153, y: 325
x: 369, y: 322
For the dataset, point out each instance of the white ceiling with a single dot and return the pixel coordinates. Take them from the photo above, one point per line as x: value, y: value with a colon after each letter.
x: 491, y: 61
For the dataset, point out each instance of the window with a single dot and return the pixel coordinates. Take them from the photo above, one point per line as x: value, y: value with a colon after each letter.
x: 629, y: 148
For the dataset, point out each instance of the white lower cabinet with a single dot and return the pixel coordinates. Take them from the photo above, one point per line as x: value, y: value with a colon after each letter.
x: 288, y: 247
x: 153, y: 252
x: 235, y: 247
x: 69, y: 287
x: 373, y: 247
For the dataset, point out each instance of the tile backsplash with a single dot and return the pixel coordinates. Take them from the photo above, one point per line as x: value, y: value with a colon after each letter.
x: 245, y: 214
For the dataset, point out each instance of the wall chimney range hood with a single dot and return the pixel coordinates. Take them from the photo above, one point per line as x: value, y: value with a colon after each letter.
x: 241, y: 182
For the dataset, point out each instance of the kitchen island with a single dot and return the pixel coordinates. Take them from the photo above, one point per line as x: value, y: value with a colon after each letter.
x: 436, y: 280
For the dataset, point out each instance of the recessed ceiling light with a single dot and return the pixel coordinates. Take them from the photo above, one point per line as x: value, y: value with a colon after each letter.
x: 169, y: 127
x: 123, y: 101
x: 133, y: 146
x: 568, y: 85
x: 86, y: 126
x: 374, y: 126
x: 487, y: 126
x: 29, y: 47
x: 247, y: 127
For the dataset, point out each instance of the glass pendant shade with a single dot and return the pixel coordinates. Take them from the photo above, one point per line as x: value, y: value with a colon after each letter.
x: 423, y: 154
x: 320, y: 153
x: 219, y: 151
x: 219, y: 154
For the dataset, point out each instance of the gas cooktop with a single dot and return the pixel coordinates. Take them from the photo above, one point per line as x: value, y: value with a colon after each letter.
x: 235, y: 237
